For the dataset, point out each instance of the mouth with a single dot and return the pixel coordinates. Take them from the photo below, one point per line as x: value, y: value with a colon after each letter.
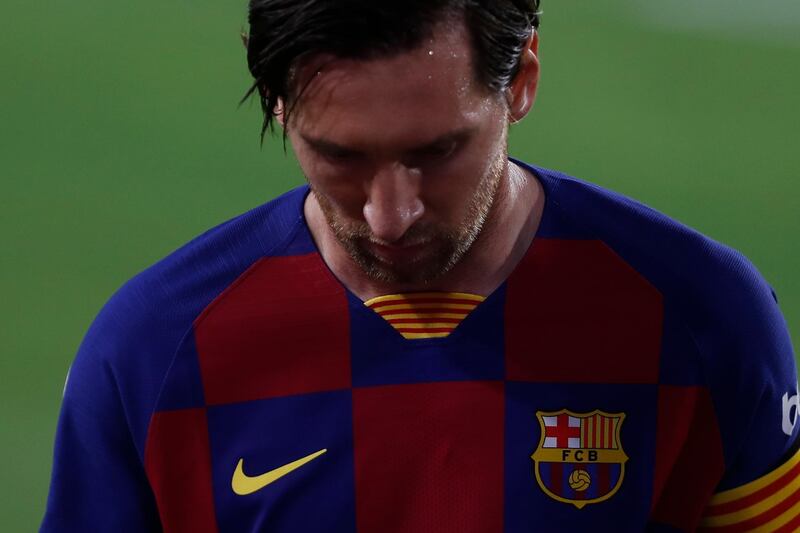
x: 397, y: 254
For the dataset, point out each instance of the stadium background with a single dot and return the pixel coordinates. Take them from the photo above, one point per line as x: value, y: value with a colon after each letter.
x: 120, y: 139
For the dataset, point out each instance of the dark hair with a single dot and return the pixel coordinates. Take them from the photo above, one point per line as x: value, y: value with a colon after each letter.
x: 284, y: 32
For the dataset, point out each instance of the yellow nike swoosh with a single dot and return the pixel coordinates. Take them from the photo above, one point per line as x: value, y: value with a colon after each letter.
x: 242, y: 484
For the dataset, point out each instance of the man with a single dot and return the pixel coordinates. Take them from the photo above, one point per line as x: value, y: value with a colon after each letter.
x: 430, y: 337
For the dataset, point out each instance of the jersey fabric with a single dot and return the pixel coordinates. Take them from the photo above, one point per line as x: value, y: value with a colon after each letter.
x: 630, y: 375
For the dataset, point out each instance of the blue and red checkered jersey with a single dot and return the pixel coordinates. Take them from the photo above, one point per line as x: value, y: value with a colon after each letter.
x: 629, y: 375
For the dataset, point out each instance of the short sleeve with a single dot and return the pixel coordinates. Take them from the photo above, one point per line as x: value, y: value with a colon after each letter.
x: 98, y: 481
x: 757, y: 402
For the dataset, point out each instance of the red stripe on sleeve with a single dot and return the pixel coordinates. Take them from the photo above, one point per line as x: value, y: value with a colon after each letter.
x: 752, y: 499
x: 793, y: 526
x: 760, y: 520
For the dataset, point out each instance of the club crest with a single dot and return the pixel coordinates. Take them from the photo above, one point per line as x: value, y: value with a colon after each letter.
x: 579, y: 459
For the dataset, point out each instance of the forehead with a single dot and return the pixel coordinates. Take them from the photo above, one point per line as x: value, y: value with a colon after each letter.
x: 430, y: 87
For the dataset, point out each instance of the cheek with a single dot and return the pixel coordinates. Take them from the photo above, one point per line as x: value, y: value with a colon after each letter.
x: 450, y: 191
x: 343, y: 191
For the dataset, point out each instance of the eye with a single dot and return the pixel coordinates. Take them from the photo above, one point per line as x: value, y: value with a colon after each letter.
x: 338, y: 154
x: 435, y: 153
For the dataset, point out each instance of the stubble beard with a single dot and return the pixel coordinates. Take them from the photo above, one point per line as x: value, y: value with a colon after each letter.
x: 444, y: 247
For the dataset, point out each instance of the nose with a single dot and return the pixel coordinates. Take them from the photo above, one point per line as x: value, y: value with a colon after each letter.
x: 393, y: 202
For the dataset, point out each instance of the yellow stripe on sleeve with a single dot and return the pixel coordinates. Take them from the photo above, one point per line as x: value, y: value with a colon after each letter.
x: 756, y: 509
x: 756, y: 485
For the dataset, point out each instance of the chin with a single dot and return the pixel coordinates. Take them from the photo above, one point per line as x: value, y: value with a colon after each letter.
x: 417, y: 273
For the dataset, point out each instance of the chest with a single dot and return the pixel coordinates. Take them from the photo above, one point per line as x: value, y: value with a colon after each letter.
x: 449, y: 456
x: 310, y: 412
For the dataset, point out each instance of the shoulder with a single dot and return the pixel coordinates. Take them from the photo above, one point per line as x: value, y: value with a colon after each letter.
x: 132, y: 341
x: 736, y: 341
x: 172, y: 292
x: 714, y: 283
x: 720, y: 295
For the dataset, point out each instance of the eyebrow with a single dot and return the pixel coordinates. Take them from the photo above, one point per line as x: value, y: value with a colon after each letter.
x: 330, y: 147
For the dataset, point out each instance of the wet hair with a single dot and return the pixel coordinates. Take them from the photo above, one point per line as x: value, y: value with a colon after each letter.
x: 283, y: 33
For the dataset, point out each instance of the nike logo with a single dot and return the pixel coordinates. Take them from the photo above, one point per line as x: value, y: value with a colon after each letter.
x: 242, y: 484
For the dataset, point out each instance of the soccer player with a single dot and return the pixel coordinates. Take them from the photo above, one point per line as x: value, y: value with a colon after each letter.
x: 430, y: 336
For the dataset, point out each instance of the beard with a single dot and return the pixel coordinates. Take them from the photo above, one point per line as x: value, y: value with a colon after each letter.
x: 441, y: 246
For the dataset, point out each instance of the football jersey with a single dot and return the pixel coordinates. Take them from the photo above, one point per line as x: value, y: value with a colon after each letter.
x: 629, y: 375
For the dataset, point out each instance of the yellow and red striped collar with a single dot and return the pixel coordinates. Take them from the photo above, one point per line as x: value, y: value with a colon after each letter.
x: 425, y: 315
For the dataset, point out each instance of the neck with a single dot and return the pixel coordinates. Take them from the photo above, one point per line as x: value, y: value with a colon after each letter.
x: 504, y: 239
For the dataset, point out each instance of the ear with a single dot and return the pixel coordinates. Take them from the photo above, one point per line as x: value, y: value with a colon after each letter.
x: 522, y: 92
x: 280, y: 115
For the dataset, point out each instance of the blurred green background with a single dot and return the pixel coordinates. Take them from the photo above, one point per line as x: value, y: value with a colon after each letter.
x: 120, y: 139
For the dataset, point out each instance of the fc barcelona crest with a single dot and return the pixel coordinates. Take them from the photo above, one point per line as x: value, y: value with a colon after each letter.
x: 579, y: 459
